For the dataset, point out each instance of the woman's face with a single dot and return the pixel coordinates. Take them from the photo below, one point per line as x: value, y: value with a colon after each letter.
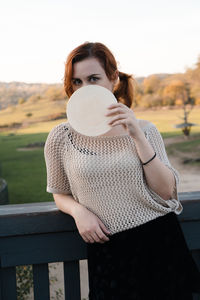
x: 90, y: 71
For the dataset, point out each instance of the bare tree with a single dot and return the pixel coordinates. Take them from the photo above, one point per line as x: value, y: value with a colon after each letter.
x: 187, y: 105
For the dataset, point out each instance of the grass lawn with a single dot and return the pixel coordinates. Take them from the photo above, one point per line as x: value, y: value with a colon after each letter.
x: 24, y: 171
x: 187, y: 150
x: 187, y: 146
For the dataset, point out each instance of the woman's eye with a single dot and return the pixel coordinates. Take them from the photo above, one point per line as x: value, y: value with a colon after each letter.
x: 76, y: 81
x: 93, y: 79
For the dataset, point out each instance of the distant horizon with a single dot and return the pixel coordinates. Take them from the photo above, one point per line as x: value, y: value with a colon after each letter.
x: 15, y: 81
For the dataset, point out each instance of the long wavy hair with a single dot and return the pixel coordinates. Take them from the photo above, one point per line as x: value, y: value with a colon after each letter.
x: 124, y: 89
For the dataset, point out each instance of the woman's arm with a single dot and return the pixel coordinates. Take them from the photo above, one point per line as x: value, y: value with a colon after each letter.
x: 158, y: 176
x: 66, y: 204
x: 90, y: 227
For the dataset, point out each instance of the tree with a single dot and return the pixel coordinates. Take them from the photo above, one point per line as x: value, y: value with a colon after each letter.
x: 151, y: 100
x: 181, y: 94
x: 177, y: 89
x: 55, y: 93
x: 138, y: 95
x: 151, y: 84
x: 193, y: 77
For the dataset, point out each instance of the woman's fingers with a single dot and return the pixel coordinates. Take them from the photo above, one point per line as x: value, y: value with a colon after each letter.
x: 114, y: 111
x: 90, y: 227
x: 117, y: 104
x: 88, y: 238
x: 97, y: 236
x: 103, y: 227
x: 116, y: 118
x: 93, y: 238
x: 100, y: 237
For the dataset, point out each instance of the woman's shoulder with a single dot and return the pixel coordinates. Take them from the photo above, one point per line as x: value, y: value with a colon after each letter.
x: 59, y: 128
x: 58, y: 132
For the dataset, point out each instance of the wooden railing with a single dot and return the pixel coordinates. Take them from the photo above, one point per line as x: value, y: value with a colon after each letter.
x: 38, y: 233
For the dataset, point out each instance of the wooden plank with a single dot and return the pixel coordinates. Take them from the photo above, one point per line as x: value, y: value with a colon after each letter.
x: 41, y: 282
x: 34, y: 222
x: 42, y: 248
x: 8, y: 284
x: 72, y: 280
x: 187, y: 196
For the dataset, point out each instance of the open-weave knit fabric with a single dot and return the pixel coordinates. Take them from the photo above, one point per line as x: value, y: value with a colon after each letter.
x: 105, y: 174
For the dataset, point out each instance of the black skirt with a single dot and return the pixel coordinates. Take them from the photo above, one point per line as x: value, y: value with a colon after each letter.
x: 149, y: 262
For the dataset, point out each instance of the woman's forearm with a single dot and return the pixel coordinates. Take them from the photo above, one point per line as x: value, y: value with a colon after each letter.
x: 158, y: 176
x: 67, y: 204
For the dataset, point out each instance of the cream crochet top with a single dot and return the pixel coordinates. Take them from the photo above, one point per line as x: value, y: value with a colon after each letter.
x: 105, y: 174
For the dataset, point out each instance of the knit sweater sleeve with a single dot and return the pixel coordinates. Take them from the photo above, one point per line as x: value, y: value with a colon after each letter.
x: 57, y: 180
x: 155, y: 139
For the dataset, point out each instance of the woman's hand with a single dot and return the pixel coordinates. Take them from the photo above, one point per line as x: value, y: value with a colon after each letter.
x: 124, y: 116
x: 90, y: 226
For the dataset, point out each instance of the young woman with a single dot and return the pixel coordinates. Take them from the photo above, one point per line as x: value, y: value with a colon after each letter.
x: 121, y: 190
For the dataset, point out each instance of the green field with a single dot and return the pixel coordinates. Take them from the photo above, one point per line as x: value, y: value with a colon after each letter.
x: 25, y: 171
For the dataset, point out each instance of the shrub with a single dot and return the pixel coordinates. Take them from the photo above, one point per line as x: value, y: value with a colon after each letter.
x: 151, y: 100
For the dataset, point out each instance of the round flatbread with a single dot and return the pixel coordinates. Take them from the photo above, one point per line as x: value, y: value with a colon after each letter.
x: 86, y: 110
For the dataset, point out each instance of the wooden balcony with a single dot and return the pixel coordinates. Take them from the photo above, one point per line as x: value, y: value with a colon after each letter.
x: 38, y: 233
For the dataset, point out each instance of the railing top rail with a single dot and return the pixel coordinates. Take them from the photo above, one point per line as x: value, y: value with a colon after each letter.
x: 27, y: 208
x: 189, y: 196
x: 44, y: 207
x: 44, y: 217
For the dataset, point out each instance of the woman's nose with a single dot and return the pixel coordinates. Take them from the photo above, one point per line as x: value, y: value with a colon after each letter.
x: 85, y: 84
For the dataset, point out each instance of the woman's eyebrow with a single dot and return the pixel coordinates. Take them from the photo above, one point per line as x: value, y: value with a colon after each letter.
x: 93, y: 75
x: 87, y: 77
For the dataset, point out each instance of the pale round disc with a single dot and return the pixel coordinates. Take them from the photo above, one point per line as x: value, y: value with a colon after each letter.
x: 86, y: 110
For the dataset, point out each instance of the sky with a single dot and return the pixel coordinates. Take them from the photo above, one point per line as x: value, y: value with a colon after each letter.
x: 145, y: 36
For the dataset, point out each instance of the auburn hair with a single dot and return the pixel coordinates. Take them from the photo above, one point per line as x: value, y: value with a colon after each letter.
x: 123, y: 91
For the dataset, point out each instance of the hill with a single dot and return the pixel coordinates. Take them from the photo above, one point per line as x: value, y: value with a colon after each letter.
x: 11, y: 93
